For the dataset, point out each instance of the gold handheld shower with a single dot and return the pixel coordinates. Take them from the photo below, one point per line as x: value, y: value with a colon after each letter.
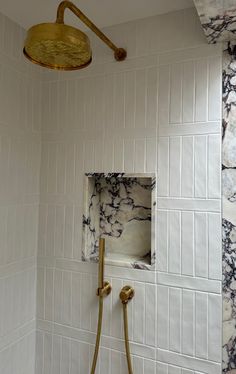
x: 63, y: 47
x: 127, y: 294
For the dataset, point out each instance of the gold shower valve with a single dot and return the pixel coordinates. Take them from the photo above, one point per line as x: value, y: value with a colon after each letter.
x: 126, y: 294
x: 105, y: 291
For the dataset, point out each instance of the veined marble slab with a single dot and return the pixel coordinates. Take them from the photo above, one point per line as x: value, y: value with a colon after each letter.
x: 229, y: 210
x: 218, y: 19
x: 120, y: 208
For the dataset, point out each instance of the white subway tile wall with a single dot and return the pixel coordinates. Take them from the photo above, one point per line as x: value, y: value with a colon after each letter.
x: 159, y: 111
x: 20, y: 148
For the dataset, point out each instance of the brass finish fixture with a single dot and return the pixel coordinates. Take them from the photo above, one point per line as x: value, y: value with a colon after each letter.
x: 57, y: 46
x: 104, y: 289
x: 62, y: 47
x: 119, y: 53
x: 126, y: 294
x: 101, y: 263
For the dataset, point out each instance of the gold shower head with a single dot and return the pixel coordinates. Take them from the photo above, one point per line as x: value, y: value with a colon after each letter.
x: 62, y: 47
x: 58, y: 46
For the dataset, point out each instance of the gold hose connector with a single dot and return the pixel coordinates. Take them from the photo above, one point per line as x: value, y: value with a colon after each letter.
x: 104, y: 289
x: 126, y: 294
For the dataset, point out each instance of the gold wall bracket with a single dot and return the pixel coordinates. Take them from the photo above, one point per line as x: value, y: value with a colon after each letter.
x: 105, y: 290
x: 126, y: 294
x: 119, y: 53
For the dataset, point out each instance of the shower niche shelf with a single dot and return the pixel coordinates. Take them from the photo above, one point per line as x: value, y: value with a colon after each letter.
x: 120, y: 207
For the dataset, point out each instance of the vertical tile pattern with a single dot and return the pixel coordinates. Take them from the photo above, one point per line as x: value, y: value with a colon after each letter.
x: 157, y: 112
x: 187, y: 167
x: 20, y: 149
x: 162, y: 240
x: 163, y: 166
x: 214, y: 242
x: 129, y: 99
x: 140, y: 98
x: 215, y: 319
x: 175, y: 166
x: 163, y: 317
x: 139, y: 313
x: 176, y: 93
x: 174, y: 241
x: 201, y: 325
x: 201, y: 245
x: 214, y: 170
x: 188, y: 92
x: 164, y: 97
x: 201, y: 78
x: 151, y: 98
x: 200, y: 166
x: 175, y: 305
x: 188, y: 317
x: 187, y: 243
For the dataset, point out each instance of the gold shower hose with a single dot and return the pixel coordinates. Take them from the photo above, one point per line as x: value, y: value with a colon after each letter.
x: 126, y: 294
x: 104, y: 289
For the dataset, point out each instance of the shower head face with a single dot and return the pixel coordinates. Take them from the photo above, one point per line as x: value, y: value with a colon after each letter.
x: 57, y: 46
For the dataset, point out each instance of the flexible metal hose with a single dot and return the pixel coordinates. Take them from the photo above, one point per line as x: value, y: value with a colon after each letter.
x: 104, y: 289
x: 99, y: 329
x: 126, y: 334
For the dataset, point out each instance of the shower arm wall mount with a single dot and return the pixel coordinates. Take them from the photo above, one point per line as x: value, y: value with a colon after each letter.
x: 119, y: 53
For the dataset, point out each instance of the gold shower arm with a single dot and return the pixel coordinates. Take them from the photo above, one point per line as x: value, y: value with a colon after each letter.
x: 119, y: 53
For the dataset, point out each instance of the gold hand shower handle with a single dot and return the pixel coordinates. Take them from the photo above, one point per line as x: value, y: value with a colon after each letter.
x: 119, y: 53
x: 126, y: 294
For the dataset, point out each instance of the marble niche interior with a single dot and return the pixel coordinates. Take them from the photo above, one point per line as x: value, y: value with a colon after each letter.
x: 120, y: 208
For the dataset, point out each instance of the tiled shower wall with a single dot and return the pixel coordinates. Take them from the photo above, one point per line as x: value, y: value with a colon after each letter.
x: 19, y: 199
x: 159, y: 111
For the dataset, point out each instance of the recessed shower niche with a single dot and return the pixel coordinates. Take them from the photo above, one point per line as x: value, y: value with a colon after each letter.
x: 120, y: 207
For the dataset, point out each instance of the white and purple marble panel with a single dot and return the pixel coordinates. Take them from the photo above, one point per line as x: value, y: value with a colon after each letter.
x: 229, y: 209
x: 218, y: 19
x: 120, y: 208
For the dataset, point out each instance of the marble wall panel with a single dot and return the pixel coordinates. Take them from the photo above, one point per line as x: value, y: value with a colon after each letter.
x: 121, y: 208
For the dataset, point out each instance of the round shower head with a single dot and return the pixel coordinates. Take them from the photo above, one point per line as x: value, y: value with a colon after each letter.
x: 58, y: 46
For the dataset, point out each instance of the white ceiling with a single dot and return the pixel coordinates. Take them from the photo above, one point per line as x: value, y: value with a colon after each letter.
x: 102, y: 12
